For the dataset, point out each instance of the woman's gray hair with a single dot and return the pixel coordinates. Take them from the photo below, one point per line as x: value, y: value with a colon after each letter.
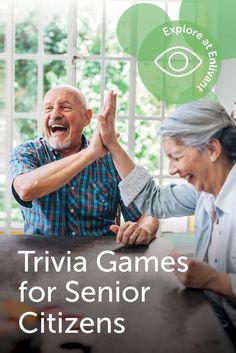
x: 195, y: 124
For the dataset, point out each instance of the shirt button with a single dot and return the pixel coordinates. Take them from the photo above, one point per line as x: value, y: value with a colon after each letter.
x: 72, y: 188
x: 73, y: 233
x: 215, y: 260
x: 72, y: 211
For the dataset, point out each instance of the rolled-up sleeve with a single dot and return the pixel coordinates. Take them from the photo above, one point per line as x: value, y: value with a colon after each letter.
x: 157, y: 201
x: 133, y: 184
x: 22, y: 160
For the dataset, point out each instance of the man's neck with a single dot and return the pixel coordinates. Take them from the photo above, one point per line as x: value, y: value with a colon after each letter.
x: 69, y: 152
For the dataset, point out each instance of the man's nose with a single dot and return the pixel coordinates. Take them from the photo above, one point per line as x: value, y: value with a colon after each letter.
x: 55, y: 112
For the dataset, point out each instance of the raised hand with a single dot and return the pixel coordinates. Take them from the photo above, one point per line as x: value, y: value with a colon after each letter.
x: 107, y: 122
x: 96, y: 146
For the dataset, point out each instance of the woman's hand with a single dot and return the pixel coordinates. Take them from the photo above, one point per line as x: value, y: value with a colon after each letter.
x: 96, y: 147
x: 203, y: 276
x: 107, y: 122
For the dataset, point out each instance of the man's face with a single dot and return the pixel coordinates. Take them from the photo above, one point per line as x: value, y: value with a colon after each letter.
x: 64, y: 119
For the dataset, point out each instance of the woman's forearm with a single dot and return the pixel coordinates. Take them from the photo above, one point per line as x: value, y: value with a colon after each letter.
x: 221, y: 284
x: 123, y: 162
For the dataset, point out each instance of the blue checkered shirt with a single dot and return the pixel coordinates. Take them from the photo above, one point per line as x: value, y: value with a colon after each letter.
x: 86, y: 206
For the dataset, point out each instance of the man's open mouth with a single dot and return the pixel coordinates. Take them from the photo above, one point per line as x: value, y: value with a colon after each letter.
x: 58, y: 128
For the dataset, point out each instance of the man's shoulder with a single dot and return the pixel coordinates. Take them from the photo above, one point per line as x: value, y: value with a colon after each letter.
x: 37, y: 144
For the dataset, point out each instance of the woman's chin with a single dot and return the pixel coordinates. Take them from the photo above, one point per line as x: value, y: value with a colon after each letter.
x: 197, y: 185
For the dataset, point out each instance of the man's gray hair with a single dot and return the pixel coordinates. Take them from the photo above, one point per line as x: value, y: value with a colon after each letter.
x: 74, y: 90
x: 195, y: 124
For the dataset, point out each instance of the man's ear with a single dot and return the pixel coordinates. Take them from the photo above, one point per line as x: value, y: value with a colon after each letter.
x: 88, y: 117
x: 215, y: 149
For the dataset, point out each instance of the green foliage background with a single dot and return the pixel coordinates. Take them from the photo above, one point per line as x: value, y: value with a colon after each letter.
x: 88, y: 78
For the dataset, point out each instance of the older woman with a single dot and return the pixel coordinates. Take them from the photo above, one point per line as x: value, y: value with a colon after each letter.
x: 199, y: 139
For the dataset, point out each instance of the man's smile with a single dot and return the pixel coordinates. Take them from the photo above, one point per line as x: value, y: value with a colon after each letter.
x: 58, y: 128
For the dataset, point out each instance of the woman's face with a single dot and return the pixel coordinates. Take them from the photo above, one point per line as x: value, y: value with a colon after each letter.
x: 189, y: 163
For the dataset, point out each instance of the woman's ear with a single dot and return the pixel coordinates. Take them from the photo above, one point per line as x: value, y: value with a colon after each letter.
x: 215, y: 149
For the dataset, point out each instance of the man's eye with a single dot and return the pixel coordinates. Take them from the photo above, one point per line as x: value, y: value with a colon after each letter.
x: 48, y: 109
x: 66, y: 108
x: 178, y: 61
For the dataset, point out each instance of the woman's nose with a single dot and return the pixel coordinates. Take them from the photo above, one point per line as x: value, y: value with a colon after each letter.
x: 172, y: 168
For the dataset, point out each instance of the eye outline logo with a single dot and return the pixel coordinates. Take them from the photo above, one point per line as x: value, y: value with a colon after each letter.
x: 178, y: 70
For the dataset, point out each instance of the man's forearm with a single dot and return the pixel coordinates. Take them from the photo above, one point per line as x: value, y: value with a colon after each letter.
x: 50, y: 177
x: 150, y: 224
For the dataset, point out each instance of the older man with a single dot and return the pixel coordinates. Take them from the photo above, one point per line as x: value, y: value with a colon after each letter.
x: 63, y: 184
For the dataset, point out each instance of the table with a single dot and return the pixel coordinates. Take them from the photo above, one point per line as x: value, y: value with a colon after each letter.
x: 171, y: 320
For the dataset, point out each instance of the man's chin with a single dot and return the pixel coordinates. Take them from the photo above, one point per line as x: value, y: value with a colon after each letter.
x: 59, y: 145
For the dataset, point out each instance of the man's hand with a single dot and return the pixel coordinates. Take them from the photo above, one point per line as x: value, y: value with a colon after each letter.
x: 107, y: 121
x: 131, y: 233
x: 202, y: 276
x: 96, y: 146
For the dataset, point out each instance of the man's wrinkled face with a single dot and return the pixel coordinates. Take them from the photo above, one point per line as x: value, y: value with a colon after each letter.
x: 64, y: 119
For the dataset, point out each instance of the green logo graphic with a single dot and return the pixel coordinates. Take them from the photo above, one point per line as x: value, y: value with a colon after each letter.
x: 187, y: 70
x: 178, y: 61
x: 217, y: 17
x: 177, y: 65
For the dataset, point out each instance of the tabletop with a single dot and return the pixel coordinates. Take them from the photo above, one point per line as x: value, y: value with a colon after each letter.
x: 168, y: 318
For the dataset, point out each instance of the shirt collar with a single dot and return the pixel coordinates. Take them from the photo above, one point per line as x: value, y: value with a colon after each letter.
x: 84, y: 143
x: 226, y: 197
x: 209, y: 203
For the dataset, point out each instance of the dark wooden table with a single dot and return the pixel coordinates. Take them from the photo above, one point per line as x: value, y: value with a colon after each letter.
x: 172, y: 320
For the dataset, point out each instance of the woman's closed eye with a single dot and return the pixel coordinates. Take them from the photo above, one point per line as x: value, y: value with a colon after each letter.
x: 176, y: 158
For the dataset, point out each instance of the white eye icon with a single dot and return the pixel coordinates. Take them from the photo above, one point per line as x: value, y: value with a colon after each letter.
x: 178, y: 61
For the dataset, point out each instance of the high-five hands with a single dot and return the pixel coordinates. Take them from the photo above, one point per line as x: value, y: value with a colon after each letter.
x: 105, y: 135
x: 107, y: 122
x: 105, y: 138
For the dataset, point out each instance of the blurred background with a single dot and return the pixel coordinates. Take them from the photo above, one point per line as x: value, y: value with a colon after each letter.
x: 44, y: 43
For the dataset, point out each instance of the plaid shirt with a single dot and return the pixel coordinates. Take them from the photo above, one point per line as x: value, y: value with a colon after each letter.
x: 87, y: 205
